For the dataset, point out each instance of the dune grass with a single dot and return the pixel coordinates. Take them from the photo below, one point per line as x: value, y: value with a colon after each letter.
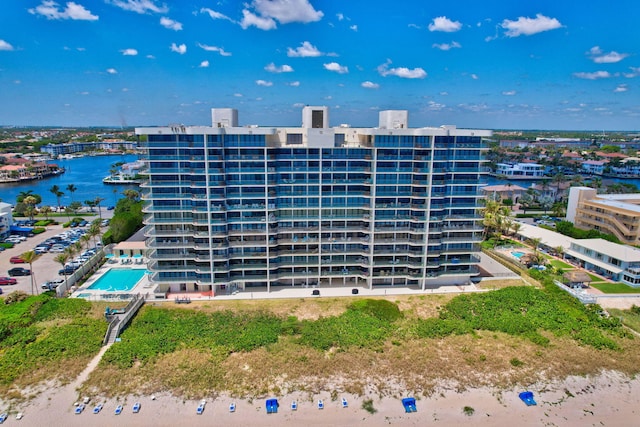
x: 363, y: 346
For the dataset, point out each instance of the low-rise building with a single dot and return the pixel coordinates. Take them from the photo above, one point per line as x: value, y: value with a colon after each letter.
x: 617, y: 214
x: 620, y: 263
x: 520, y: 170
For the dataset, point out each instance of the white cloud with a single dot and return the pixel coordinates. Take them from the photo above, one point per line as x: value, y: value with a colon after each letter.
x: 238, y: 95
x: 272, y: 68
x: 435, y: 106
x: 405, y: 73
x: 287, y: 11
x: 294, y: 84
x: 593, y: 76
x: 621, y: 88
x: 474, y: 76
x: 447, y: 46
x: 182, y: 49
x: 444, y: 93
x: 334, y: 66
x: 529, y: 26
x: 139, y: 6
x: 220, y: 50
x: 5, y: 45
x: 509, y: 92
x: 442, y: 23
x: 304, y: 50
x: 635, y: 72
x: 50, y: 10
x: 416, y: 26
x: 204, y: 64
x: 264, y: 83
x: 170, y: 24
x: 129, y: 52
x: 354, y: 28
x: 370, y: 85
x: 249, y: 19
x: 215, y: 15
x: 17, y: 82
x: 150, y: 57
x: 112, y: 71
x: 340, y: 16
x: 600, y: 57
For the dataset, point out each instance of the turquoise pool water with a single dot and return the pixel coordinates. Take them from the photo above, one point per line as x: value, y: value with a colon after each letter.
x: 517, y: 254
x: 118, y: 280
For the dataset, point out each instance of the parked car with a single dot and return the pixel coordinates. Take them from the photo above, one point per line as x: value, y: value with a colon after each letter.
x: 52, y: 284
x: 8, y: 281
x: 16, y: 260
x: 66, y: 271
x: 19, y: 271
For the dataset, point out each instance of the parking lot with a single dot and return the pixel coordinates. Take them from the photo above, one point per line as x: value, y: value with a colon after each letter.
x: 45, y: 268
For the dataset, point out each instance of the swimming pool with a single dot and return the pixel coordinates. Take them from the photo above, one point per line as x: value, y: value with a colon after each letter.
x: 517, y: 254
x: 118, y: 280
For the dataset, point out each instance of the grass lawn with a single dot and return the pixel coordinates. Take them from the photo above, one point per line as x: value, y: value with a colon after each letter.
x: 559, y: 264
x: 615, y: 288
x: 628, y: 317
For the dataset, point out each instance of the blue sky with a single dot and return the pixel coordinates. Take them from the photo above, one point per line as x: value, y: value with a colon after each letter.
x: 486, y: 64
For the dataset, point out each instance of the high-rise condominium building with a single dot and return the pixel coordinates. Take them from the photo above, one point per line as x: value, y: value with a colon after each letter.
x: 230, y: 207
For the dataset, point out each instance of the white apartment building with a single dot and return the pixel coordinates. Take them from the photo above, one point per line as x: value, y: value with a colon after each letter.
x: 229, y: 207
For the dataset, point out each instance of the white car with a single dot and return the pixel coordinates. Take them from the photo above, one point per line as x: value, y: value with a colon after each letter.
x: 52, y: 284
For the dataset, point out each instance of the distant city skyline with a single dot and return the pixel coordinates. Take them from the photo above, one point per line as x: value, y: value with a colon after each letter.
x: 492, y: 64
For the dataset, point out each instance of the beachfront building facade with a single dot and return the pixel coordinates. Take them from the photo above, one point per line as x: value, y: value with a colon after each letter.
x: 230, y: 208
x: 617, y: 214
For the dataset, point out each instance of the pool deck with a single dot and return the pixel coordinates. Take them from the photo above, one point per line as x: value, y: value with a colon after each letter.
x: 143, y: 286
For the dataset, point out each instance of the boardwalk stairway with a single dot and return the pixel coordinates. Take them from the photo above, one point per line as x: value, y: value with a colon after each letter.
x: 118, y: 321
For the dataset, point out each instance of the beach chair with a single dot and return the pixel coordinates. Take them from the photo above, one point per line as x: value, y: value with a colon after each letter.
x: 3, y: 417
x: 527, y: 398
x: 409, y: 404
x: 232, y: 407
x: 136, y: 407
x: 98, y: 408
x: 294, y: 406
x: 272, y: 406
x: 118, y: 410
x: 344, y: 403
x: 320, y: 404
x: 200, y: 408
x: 79, y: 409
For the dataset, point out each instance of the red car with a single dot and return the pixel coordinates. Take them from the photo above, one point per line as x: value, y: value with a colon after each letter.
x: 16, y: 260
x: 8, y: 281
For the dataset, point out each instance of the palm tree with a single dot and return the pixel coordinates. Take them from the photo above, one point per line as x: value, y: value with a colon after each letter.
x: 62, y: 260
x: 97, y: 202
x: 31, y: 202
x: 29, y: 257
x: 94, y: 230
x: 56, y: 192
x: 558, y: 179
x: 535, y: 242
x: 71, y: 189
x: 131, y: 194
x: 560, y: 251
x: 46, y: 210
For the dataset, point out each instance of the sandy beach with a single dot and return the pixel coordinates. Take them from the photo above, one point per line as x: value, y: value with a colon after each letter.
x: 608, y: 399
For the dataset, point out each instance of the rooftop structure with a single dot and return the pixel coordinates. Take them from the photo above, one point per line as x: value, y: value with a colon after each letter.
x: 229, y: 207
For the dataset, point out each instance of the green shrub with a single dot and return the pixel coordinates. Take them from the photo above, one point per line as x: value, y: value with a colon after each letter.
x: 515, y: 362
x: 367, y: 405
x: 43, y: 222
x: 378, y: 308
x: 468, y: 411
x: 38, y: 230
x: 6, y: 245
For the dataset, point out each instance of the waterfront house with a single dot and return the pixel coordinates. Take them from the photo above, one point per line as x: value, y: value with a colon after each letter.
x: 520, y: 170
